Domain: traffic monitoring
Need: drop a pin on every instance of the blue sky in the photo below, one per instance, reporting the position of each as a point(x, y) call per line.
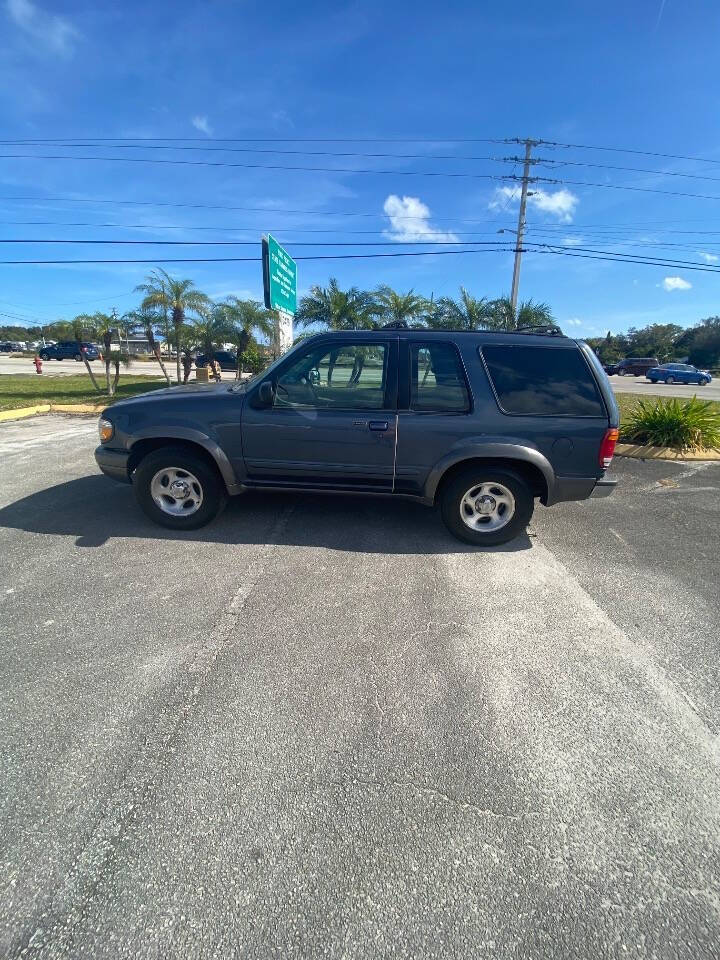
point(637, 75)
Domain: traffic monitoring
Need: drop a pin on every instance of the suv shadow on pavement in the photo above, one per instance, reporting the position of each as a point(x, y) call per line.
point(94, 511)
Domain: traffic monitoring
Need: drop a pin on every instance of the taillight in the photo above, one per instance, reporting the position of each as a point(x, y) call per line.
point(607, 447)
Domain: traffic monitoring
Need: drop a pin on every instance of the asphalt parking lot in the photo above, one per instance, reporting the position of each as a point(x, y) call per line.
point(322, 727)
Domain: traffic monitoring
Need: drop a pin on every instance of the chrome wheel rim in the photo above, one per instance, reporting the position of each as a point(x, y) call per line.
point(176, 492)
point(487, 507)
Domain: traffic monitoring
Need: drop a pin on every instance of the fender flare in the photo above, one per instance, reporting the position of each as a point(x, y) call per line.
point(172, 432)
point(491, 449)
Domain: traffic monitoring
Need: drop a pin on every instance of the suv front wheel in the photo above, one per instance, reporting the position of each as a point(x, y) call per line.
point(178, 489)
point(486, 506)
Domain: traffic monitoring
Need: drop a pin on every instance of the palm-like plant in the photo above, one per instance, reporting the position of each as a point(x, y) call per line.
point(337, 309)
point(529, 313)
point(148, 321)
point(464, 313)
point(167, 293)
point(105, 326)
point(399, 307)
point(83, 327)
point(245, 318)
point(209, 332)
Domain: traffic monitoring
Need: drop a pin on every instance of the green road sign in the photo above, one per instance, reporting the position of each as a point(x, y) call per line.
point(279, 277)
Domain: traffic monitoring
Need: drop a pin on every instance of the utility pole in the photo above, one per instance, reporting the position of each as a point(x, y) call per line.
point(521, 227)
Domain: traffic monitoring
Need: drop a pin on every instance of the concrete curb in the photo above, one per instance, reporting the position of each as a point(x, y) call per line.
point(79, 409)
point(21, 412)
point(663, 453)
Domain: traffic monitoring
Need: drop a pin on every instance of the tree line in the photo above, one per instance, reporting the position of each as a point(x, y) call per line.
point(173, 310)
point(699, 344)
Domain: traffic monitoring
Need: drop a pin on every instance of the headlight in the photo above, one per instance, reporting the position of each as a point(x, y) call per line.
point(105, 429)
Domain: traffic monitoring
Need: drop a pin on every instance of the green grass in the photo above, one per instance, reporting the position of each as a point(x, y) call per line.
point(21, 390)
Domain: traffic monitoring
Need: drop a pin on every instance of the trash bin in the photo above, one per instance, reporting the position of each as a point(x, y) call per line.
point(201, 375)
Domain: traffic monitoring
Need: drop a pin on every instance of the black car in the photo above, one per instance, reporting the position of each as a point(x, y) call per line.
point(632, 366)
point(70, 350)
point(225, 359)
point(481, 423)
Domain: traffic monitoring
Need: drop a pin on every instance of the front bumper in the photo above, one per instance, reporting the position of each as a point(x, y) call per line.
point(603, 488)
point(113, 463)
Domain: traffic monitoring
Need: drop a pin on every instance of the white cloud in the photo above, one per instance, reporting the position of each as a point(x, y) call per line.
point(202, 124)
point(710, 257)
point(410, 220)
point(281, 120)
point(574, 322)
point(560, 203)
point(50, 31)
point(572, 241)
point(675, 283)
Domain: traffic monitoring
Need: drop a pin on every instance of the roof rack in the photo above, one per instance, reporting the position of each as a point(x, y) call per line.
point(547, 329)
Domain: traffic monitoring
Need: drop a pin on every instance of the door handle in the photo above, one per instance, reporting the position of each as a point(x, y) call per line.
point(378, 425)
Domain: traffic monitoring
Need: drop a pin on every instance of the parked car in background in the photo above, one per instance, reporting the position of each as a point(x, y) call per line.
point(226, 360)
point(12, 346)
point(632, 366)
point(678, 373)
point(70, 350)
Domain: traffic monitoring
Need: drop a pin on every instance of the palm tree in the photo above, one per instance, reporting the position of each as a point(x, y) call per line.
point(399, 307)
point(105, 326)
point(245, 318)
point(337, 309)
point(82, 328)
point(147, 321)
point(209, 332)
point(177, 296)
point(529, 314)
point(465, 313)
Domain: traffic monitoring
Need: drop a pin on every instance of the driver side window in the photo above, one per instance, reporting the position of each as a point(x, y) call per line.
point(342, 377)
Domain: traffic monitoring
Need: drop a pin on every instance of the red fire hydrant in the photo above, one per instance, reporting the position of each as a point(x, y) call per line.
point(38, 364)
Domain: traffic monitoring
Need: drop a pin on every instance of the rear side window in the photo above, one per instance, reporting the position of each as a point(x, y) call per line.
point(542, 381)
point(437, 381)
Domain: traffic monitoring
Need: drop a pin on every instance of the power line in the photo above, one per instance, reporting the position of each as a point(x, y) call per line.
point(606, 166)
point(632, 258)
point(268, 211)
point(253, 243)
point(338, 256)
point(261, 150)
point(643, 153)
point(65, 140)
point(263, 166)
point(624, 186)
point(585, 252)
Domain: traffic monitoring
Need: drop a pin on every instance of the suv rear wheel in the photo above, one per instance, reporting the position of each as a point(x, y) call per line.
point(178, 489)
point(486, 506)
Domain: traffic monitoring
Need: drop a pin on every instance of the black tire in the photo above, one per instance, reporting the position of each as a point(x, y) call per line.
point(214, 495)
point(44, 356)
point(703, 383)
point(456, 488)
point(652, 380)
point(669, 379)
point(78, 358)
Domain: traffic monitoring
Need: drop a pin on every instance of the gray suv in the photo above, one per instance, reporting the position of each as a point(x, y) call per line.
point(480, 423)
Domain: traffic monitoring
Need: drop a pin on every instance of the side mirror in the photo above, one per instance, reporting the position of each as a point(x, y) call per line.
point(266, 394)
